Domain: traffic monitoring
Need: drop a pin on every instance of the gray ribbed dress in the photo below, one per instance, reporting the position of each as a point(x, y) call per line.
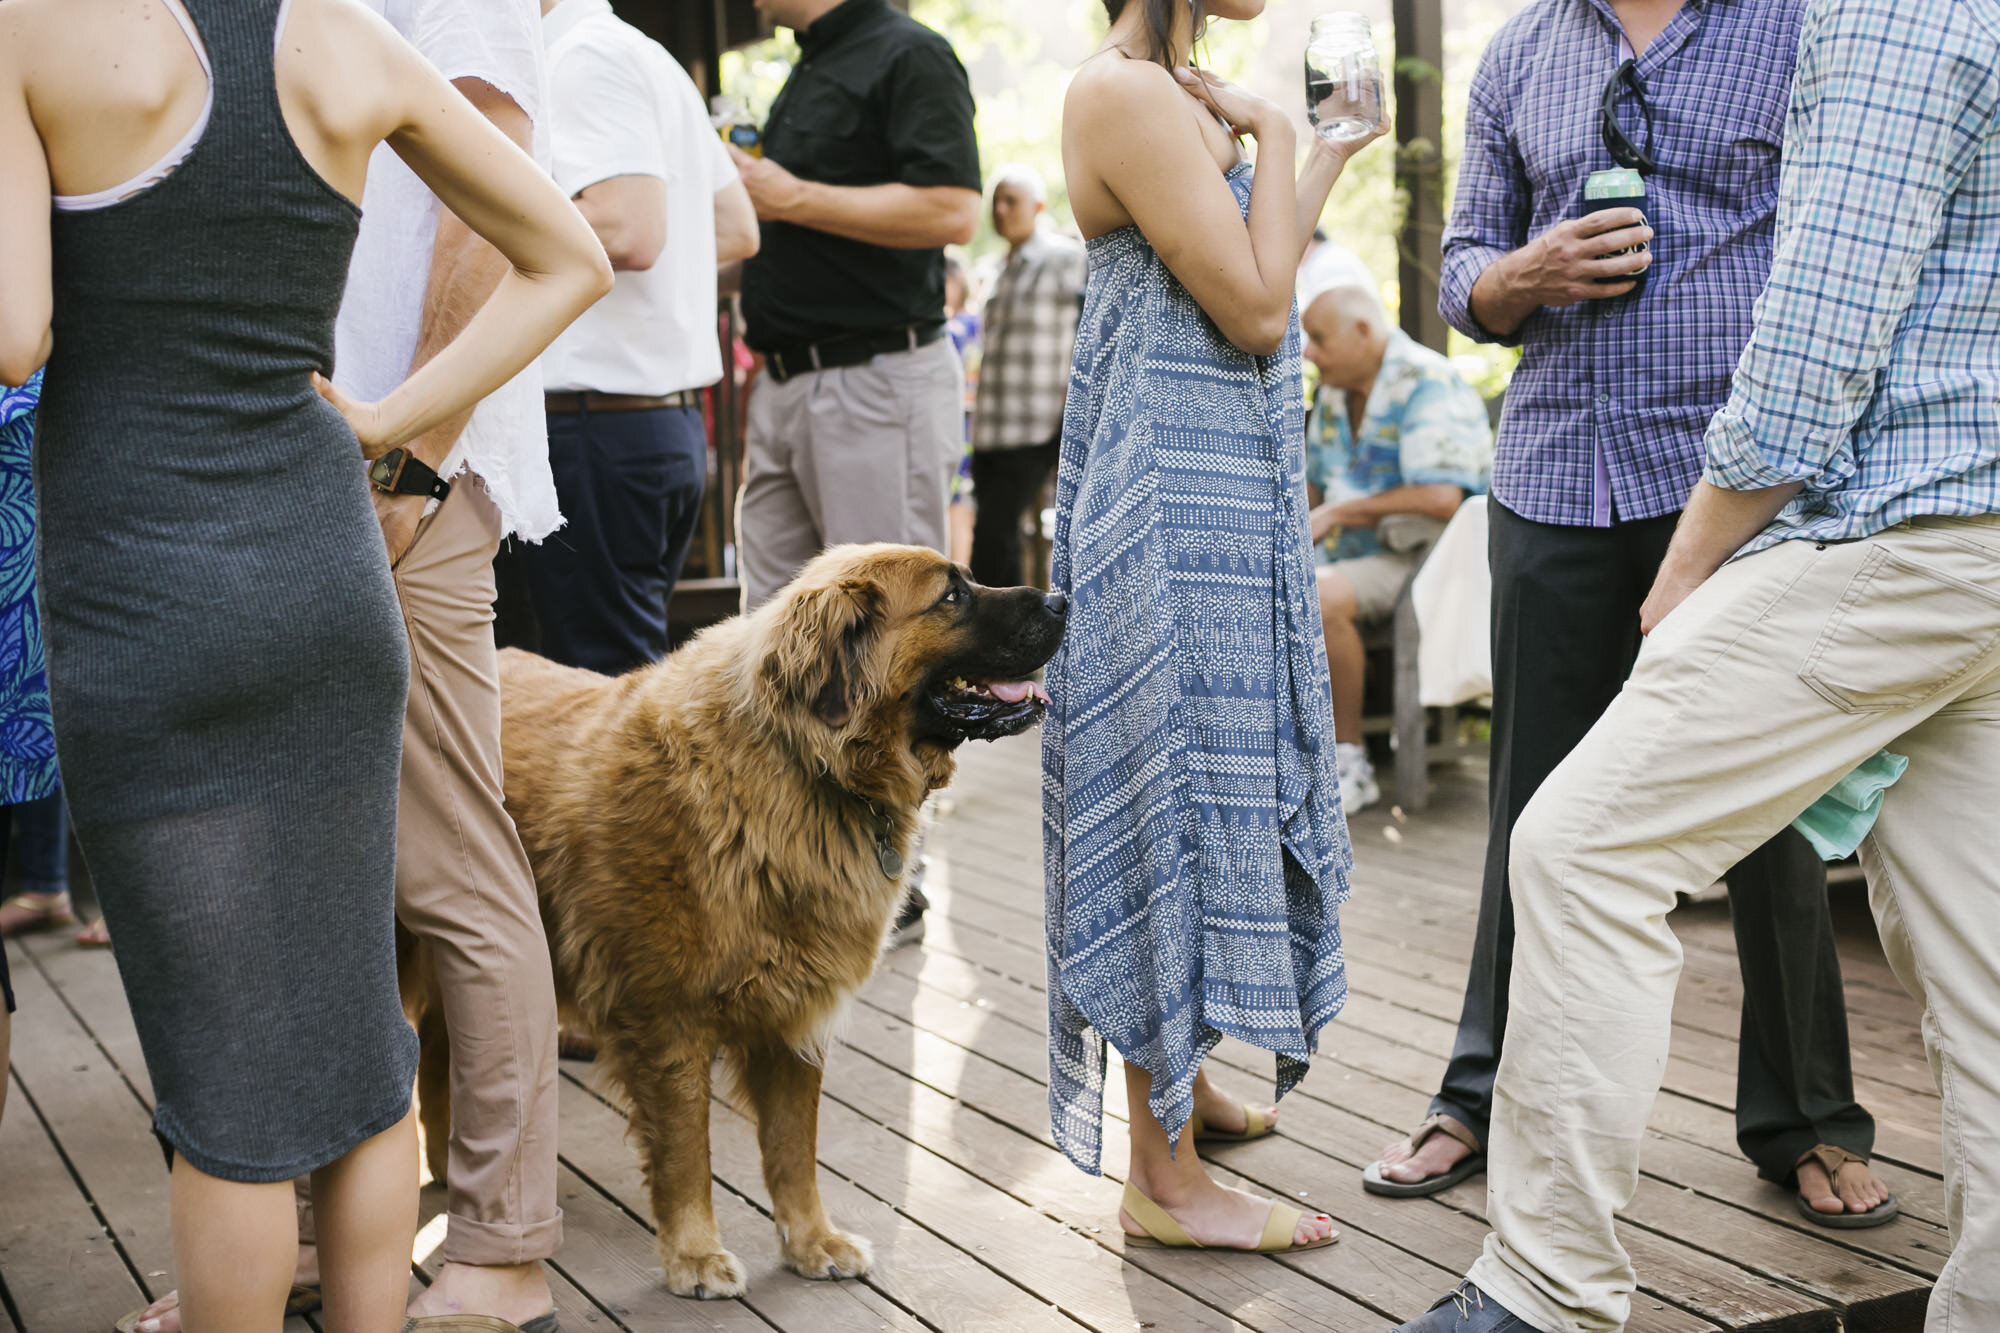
point(227, 662)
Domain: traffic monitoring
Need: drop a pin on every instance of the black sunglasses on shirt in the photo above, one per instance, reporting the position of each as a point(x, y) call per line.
point(1633, 156)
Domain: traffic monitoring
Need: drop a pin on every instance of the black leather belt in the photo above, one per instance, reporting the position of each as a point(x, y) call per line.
point(848, 350)
point(570, 402)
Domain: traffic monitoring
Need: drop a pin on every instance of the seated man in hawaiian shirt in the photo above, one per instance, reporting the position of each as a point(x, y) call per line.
point(1394, 443)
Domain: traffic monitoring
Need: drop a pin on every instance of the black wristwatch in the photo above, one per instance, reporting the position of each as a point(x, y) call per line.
point(399, 472)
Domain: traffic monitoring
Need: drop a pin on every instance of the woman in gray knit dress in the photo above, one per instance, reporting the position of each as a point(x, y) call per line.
point(226, 658)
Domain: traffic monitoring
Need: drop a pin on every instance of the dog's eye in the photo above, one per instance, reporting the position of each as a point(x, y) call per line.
point(953, 595)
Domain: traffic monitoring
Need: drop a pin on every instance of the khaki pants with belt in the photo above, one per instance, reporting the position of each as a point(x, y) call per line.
point(463, 885)
point(1775, 679)
point(858, 454)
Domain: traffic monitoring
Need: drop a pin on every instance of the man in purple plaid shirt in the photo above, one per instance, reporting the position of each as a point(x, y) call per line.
point(1598, 449)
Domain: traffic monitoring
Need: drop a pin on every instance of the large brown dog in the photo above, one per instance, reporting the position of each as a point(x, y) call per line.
point(718, 844)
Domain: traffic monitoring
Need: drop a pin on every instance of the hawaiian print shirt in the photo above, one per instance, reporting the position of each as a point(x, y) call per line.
point(1424, 426)
point(27, 736)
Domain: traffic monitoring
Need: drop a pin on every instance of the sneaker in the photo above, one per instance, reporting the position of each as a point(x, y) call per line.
point(1467, 1310)
point(1358, 788)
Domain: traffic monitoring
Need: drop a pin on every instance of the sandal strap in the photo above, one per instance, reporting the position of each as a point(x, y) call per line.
point(1279, 1227)
point(1831, 1157)
point(1446, 1125)
point(1156, 1222)
point(1253, 1121)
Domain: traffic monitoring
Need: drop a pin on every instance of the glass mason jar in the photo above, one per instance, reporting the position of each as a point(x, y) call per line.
point(1343, 78)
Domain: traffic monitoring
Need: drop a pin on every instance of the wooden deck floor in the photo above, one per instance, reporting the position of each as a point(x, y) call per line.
point(935, 1141)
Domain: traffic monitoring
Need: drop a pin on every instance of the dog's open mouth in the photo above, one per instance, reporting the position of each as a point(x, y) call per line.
point(989, 709)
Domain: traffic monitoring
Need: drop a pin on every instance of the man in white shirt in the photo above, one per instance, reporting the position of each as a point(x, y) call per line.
point(463, 884)
point(631, 142)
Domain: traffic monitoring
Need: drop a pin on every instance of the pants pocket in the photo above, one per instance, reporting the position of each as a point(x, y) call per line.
point(1908, 627)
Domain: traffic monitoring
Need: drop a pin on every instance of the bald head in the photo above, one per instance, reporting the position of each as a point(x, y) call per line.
point(1347, 330)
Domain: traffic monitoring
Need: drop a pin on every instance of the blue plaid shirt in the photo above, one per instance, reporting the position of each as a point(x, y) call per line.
point(1873, 373)
point(1606, 413)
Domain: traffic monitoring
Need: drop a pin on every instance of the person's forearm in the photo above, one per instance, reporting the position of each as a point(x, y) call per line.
point(1713, 527)
point(898, 217)
point(1717, 523)
point(464, 272)
point(519, 319)
point(1437, 500)
point(1316, 181)
point(1499, 301)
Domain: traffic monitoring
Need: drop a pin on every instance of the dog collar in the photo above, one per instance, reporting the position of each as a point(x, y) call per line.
point(886, 854)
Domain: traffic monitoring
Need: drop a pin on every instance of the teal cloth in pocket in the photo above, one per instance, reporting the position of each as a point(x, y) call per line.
point(1836, 823)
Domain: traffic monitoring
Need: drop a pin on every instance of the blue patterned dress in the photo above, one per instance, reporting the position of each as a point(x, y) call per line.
point(27, 738)
point(1195, 848)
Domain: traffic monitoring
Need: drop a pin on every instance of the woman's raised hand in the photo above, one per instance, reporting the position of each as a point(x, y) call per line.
point(1243, 112)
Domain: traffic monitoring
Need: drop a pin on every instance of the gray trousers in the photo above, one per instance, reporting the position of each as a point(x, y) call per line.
point(859, 454)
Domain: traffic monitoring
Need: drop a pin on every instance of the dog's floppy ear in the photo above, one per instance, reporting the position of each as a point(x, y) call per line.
point(822, 636)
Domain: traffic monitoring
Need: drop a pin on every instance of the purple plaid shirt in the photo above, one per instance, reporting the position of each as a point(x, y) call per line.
point(1606, 413)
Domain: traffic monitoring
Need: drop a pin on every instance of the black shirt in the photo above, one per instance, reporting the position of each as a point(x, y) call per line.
point(876, 98)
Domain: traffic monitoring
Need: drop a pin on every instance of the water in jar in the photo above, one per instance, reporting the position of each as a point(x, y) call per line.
point(1343, 78)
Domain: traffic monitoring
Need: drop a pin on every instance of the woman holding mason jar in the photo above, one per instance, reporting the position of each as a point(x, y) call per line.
point(1196, 851)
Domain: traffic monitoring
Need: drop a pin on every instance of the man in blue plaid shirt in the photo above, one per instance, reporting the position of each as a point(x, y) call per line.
point(1598, 449)
point(1854, 474)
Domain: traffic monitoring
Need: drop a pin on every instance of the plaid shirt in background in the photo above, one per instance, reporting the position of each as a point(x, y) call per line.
point(1030, 333)
point(1874, 369)
point(1606, 413)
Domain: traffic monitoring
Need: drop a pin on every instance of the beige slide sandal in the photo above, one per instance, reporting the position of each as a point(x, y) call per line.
point(1163, 1233)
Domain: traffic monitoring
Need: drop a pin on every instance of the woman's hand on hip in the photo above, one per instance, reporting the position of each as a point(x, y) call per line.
point(365, 419)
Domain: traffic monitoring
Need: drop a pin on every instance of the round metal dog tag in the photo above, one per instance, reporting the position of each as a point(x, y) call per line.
point(892, 860)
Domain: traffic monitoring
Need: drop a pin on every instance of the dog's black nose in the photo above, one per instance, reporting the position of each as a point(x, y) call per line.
point(1057, 604)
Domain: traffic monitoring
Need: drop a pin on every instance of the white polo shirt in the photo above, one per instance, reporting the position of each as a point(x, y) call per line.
point(621, 106)
point(375, 337)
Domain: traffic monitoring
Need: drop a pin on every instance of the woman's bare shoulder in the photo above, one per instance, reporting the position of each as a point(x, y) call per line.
point(349, 68)
point(1109, 84)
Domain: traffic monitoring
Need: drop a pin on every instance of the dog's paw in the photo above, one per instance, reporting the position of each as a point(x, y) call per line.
point(828, 1256)
point(717, 1276)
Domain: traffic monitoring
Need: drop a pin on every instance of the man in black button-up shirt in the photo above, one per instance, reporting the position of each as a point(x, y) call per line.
point(870, 169)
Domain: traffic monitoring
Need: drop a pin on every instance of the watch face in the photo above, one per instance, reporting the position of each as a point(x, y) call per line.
point(383, 470)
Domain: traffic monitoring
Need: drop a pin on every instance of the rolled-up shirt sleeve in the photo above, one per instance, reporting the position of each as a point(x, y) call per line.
point(1490, 216)
point(1882, 129)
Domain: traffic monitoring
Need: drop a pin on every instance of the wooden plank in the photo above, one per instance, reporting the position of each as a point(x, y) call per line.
point(610, 1256)
point(1866, 1290)
point(63, 1273)
point(104, 1130)
point(88, 980)
point(1906, 1121)
point(1737, 1294)
point(1348, 1067)
point(1383, 1260)
point(916, 1269)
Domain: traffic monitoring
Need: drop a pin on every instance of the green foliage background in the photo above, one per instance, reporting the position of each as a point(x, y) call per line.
point(1022, 122)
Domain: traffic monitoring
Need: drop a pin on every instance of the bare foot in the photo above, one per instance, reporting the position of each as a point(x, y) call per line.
point(516, 1293)
point(1859, 1191)
point(164, 1315)
point(1219, 1217)
point(1218, 1110)
point(1440, 1153)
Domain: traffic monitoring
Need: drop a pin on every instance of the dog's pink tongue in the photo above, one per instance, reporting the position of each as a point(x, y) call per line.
point(1009, 691)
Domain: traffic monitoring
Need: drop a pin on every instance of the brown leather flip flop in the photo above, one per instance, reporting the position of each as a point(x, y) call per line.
point(1832, 1159)
point(1471, 1165)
